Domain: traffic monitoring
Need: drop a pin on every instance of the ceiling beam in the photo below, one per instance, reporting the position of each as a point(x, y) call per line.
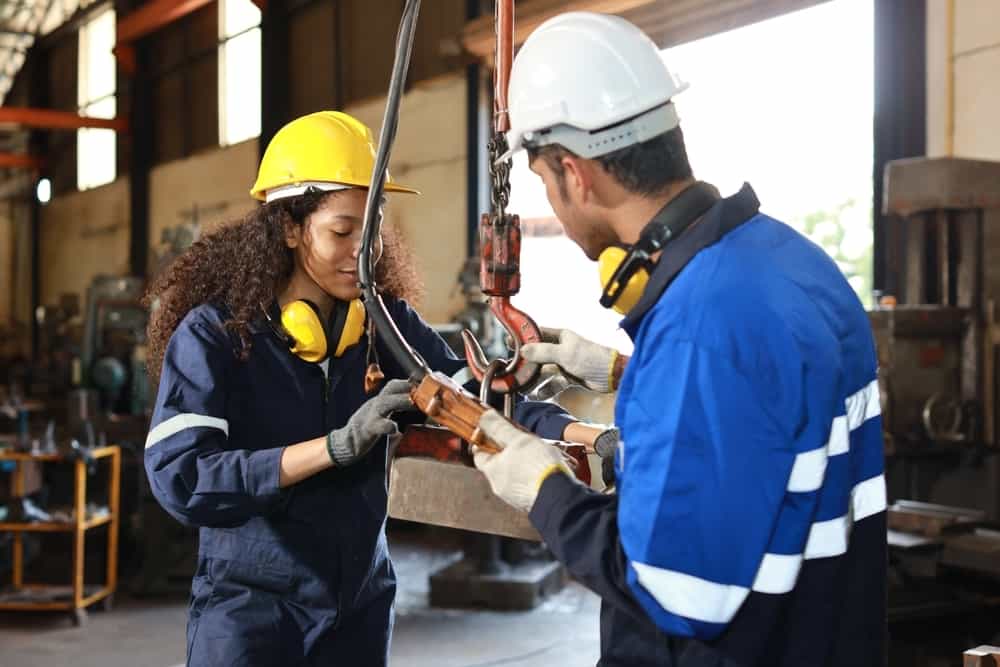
point(479, 39)
point(146, 20)
point(152, 16)
point(21, 161)
point(50, 119)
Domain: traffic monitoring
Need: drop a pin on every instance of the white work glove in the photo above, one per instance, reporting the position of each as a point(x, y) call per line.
point(350, 443)
point(516, 473)
point(590, 363)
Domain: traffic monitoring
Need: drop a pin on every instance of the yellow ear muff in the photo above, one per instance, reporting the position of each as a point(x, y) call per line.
point(311, 341)
point(353, 328)
point(607, 264)
point(301, 320)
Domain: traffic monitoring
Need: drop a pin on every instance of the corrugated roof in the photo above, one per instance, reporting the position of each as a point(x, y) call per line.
point(21, 22)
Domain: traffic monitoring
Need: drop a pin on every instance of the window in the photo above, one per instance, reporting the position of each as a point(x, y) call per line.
point(780, 104)
point(239, 71)
point(95, 148)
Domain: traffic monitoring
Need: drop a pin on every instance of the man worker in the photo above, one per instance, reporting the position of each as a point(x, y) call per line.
point(748, 527)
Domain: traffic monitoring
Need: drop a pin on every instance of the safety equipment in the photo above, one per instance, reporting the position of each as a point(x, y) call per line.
point(302, 328)
point(625, 269)
point(516, 473)
point(592, 83)
point(326, 150)
point(590, 363)
point(348, 444)
point(610, 261)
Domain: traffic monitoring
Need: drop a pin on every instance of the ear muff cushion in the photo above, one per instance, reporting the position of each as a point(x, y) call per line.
point(347, 325)
point(607, 264)
point(301, 319)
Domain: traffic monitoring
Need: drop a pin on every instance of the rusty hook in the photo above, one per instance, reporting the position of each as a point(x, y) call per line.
point(518, 374)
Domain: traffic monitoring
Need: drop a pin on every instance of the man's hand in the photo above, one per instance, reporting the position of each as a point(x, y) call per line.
point(350, 443)
point(592, 364)
point(517, 472)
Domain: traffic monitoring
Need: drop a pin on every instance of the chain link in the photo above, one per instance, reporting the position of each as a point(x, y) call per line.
point(499, 175)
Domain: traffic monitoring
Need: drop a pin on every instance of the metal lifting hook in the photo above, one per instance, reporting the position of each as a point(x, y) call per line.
point(500, 236)
point(517, 374)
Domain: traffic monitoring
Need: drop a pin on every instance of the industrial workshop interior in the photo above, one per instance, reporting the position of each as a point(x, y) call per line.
point(499, 332)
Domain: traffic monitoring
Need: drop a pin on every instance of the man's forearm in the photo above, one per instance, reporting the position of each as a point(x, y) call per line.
point(580, 526)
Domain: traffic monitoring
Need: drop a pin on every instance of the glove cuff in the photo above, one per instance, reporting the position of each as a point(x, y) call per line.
point(607, 442)
point(338, 454)
point(551, 470)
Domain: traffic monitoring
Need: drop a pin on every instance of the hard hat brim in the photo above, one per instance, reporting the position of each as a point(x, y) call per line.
point(261, 195)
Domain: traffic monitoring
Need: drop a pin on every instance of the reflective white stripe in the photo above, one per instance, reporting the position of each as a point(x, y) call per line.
point(863, 405)
point(710, 602)
point(868, 498)
point(462, 375)
point(689, 596)
point(827, 538)
point(840, 437)
point(178, 423)
point(703, 600)
point(777, 573)
point(808, 470)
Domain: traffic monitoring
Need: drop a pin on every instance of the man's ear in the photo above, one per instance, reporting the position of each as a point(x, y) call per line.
point(579, 177)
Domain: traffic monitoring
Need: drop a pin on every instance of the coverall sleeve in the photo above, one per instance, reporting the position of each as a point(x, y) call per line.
point(546, 420)
point(580, 527)
point(705, 463)
point(194, 471)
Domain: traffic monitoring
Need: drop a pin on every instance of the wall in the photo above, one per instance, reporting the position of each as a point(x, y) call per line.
point(83, 234)
point(209, 187)
point(963, 88)
point(86, 233)
point(430, 155)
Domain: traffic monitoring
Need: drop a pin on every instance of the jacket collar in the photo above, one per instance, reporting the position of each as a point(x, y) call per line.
point(726, 215)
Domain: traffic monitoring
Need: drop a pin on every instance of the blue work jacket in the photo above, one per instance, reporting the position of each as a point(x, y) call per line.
point(749, 524)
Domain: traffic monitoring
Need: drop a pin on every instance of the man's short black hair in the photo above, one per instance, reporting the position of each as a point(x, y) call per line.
point(645, 169)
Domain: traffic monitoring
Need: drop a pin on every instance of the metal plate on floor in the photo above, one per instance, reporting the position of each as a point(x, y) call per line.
point(452, 495)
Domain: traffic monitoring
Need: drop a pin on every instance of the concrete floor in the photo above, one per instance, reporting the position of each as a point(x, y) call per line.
point(144, 633)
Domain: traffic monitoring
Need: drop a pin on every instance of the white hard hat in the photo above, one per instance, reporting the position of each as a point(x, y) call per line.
point(590, 82)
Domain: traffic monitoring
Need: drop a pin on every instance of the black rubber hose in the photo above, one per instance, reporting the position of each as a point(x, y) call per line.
point(406, 356)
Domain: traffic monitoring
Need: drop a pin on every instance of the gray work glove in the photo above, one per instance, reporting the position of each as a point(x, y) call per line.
point(605, 446)
point(589, 362)
point(350, 443)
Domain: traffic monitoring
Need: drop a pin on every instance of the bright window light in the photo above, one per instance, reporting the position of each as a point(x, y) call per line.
point(239, 71)
point(798, 129)
point(43, 191)
point(95, 155)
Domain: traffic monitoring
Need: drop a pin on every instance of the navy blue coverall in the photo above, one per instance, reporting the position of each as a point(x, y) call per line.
point(291, 576)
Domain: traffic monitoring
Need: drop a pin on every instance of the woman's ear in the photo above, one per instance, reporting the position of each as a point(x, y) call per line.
point(293, 234)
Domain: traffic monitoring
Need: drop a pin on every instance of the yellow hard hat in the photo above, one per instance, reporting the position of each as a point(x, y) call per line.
point(329, 150)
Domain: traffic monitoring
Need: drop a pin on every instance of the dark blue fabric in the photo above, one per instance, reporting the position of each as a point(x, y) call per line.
point(283, 573)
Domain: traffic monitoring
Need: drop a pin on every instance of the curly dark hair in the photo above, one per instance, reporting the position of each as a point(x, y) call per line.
point(245, 264)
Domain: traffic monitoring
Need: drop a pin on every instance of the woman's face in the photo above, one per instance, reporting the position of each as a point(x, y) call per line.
point(326, 245)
